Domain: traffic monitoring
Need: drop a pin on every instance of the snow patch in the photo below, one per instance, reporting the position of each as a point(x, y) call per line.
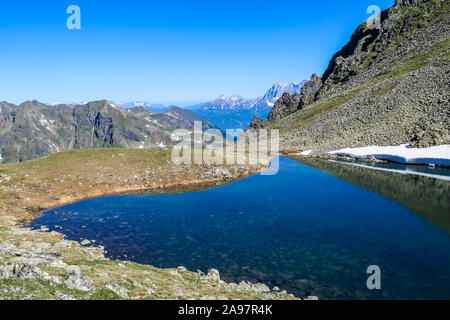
point(406, 172)
point(438, 155)
point(306, 153)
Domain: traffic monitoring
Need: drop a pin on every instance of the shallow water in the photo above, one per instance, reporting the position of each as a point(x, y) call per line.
point(302, 230)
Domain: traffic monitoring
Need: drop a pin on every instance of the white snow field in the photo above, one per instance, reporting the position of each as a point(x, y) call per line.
point(437, 156)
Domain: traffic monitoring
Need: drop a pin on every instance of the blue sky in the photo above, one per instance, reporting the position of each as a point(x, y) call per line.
point(172, 52)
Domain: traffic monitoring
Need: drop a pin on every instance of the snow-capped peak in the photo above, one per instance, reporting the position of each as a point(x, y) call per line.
point(277, 90)
point(237, 102)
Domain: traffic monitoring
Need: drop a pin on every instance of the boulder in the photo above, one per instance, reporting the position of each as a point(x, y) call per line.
point(74, 279)
point(214, 275)
point(117, 289)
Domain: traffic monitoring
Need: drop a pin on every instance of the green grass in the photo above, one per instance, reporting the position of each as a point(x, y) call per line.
point(105, 294)
point(446, 56)
point(36, 289)
point(385, 89)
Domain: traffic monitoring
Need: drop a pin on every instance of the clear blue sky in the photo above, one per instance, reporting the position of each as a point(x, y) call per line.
point(168, 51)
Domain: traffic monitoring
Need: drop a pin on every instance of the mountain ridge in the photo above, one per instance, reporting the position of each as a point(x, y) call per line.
point(33, 129)
point(237, 112)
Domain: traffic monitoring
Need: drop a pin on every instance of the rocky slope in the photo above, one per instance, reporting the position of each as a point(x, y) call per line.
point(33, 129)
point(387, 86)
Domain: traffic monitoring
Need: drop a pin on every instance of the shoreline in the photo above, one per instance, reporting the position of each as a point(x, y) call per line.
point(165, 189)
point(436, 156)
point(37, 264)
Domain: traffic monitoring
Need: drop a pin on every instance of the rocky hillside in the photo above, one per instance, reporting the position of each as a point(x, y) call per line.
point(387, 86)
point(33, 129)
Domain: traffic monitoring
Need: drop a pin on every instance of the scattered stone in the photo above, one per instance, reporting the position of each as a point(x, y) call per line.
point(214, 275)
point(5, 272)
point(177, 293)
point(102, 274)
point(175, 274)
point(260, 287)
point(150, 291)
point(220, 172)
point(119, 290)
point(51, 278)
point(74, 279)
point(23, 271)
point(26, 245)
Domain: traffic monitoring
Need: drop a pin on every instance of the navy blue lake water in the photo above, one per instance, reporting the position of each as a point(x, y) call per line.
point(302, 230)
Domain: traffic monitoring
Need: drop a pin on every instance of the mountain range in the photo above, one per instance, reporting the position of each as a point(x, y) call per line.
point(34, 129)
point(150, 106)
point(236, 112)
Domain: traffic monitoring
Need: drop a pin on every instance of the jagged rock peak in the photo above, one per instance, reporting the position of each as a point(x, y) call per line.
point(309, 90)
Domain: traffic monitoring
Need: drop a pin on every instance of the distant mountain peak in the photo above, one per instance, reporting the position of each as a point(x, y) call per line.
point(277, 90)
point(237, 112)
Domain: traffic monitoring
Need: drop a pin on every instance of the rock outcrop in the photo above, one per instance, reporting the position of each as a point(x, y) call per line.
point(286, 105)
point(309, 91)
point(289, 104)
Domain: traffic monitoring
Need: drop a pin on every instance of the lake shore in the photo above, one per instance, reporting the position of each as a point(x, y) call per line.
point(37, 264)
point(436, 156)
point(67, 177)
